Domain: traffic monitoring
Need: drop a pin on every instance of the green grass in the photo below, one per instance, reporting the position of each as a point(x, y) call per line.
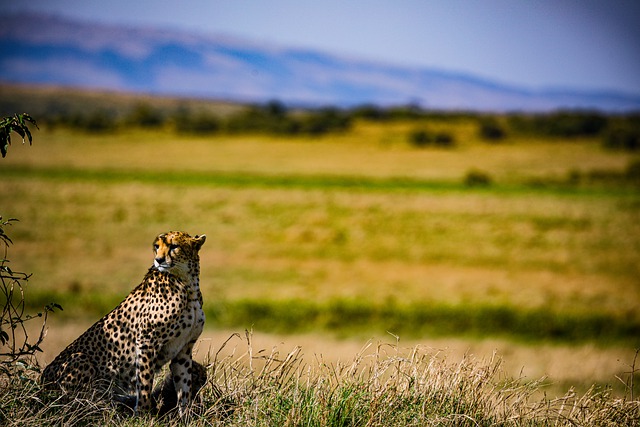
point(231, 179)
point(306, 181)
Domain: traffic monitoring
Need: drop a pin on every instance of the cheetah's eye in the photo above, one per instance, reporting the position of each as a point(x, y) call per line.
point(172, 248)
point(156, 247)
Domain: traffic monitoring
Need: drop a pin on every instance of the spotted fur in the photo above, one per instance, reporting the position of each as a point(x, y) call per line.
point(158, 323)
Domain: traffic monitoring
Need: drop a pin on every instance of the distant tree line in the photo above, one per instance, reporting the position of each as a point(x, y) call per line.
point(274, 118)
point(271, 118)
point(616, 131)
point(564, 124)
point(621, 131)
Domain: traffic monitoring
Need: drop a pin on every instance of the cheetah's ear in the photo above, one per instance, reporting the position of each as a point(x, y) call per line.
point(198, 241)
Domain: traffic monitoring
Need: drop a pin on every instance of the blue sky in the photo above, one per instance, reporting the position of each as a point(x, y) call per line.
point(581, 44)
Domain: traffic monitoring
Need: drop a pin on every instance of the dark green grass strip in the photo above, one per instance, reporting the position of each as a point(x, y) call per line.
point(293, 181)
point(351, 317)
point(419, 320)
point(217, 178)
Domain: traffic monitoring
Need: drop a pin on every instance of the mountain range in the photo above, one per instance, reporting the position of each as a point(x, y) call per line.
point(47, 49)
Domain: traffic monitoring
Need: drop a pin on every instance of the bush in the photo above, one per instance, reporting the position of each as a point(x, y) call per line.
point(563, 124)
point(274, 118)
point(476, 178)
point(443, 139)
point(324, 121)
point(632, 172)
point(570, 124)
point(14, 338)
point(196, 123)
point(406, 112)
point(144, 115)
point(270, 118)
point(421, 138)
point(491, 130)
point(370, 112)
point(98, 121)
point(623, 135)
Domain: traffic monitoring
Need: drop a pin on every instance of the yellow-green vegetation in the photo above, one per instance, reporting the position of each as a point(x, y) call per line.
point(349, 232)
point(353, 233)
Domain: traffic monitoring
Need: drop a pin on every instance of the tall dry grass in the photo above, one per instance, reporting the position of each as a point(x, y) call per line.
point(382, 385)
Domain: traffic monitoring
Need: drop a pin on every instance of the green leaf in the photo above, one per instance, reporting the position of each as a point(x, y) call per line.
point(18, 124)
point(30, 119)
point(20, 131)
point(26, 130)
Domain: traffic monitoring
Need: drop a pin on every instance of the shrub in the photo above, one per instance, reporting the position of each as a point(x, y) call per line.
point(98, 121)
point(274, 118)
point(632, 172)
point(623, 135)
point(144, 115)
point(14, 338)
point(491, 130)
point(370, 112)
point(564, 124)
point(324, 121)
point(443, 139)
point(476, 178)
point(422, 138)
point(197, 123)
point(569, 124)
point(419, 138)
point(270, 118)
point(406, 112)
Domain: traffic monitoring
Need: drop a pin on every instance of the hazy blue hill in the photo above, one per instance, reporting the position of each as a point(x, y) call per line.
point(53, 50)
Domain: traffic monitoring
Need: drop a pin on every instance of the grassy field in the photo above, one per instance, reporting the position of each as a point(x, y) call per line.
point(381, 384)
point(350, 235)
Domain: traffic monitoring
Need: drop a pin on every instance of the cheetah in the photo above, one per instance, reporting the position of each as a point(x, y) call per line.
point(158, 322)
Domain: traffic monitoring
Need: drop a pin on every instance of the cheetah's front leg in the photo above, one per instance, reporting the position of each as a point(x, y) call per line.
point(181, 373)
point(144, 378)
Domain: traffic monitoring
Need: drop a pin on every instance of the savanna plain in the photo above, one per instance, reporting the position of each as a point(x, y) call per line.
point(353, 254)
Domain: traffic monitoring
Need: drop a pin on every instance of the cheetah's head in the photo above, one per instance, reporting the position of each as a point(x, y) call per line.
point(174, 250)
